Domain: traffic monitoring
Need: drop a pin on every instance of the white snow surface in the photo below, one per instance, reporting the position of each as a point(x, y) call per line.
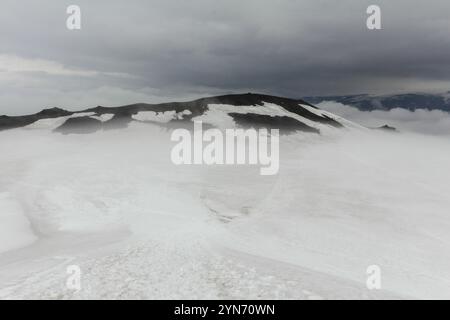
point(140, 227)
point(53, 123)
point(15, 229)
point(163, 117)
point(104, 117)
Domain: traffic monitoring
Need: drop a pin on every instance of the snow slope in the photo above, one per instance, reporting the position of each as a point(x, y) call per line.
point(53, 123)
point(15, 229)
point(219, 115)
point(140, 227)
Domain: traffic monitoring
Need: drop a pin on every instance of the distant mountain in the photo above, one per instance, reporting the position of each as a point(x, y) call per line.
point(386, 128)
point(242, 110)
point(411, 101)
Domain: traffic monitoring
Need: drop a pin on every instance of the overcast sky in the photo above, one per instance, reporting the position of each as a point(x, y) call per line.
point(153, 51)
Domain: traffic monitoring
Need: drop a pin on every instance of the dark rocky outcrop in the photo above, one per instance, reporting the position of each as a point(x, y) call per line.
point(386, 128)
point(285, 124)
point(80, 125)
point(21, 121)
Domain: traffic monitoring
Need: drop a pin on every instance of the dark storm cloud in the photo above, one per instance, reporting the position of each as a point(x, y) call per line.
point(159, 50)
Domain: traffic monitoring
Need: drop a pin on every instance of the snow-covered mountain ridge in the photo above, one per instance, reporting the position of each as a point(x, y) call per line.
point(245, 110)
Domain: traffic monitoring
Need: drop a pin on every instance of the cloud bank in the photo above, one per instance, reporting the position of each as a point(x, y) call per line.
point(432, 122)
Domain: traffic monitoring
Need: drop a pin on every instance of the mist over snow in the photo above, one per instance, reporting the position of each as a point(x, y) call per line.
point(141, 227)
point(432, 122)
